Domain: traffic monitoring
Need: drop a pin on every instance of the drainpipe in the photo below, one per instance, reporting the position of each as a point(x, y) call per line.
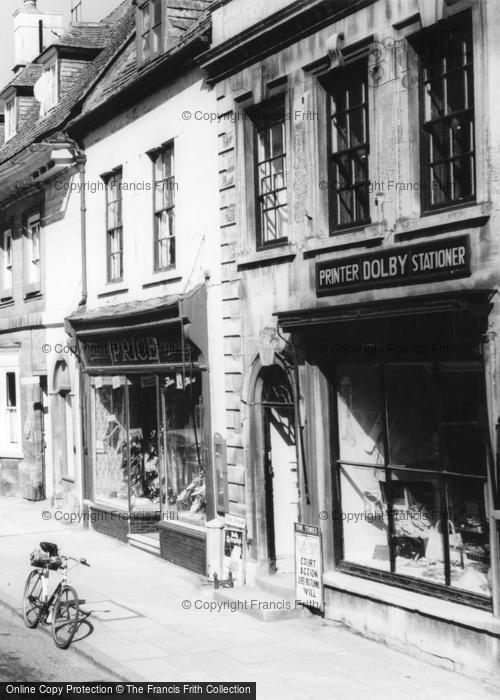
point(81, 161)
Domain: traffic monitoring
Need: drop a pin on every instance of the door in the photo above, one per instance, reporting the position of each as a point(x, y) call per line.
point(280, 471)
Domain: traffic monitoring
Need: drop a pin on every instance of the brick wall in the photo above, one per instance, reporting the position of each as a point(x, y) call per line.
point(109, 522)
point(184, 547)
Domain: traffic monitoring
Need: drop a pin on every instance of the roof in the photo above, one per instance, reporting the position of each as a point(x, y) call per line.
point(26, 77)
point(34, 128)
point(187, 19)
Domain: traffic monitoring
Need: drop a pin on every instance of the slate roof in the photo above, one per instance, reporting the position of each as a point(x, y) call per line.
point(187, 19)
point(34, 128)
point(26, 77)
point(116, 31)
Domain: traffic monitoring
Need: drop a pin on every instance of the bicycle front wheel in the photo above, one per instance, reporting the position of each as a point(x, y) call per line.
point(32, 599)
point(65, 617)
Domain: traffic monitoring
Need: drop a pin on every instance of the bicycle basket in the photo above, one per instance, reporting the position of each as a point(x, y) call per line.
point(38, 557)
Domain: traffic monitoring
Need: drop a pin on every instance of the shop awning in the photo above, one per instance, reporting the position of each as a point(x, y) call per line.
point(159, 331)
point(475, 302)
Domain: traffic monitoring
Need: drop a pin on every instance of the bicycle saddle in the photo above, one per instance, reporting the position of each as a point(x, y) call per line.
point(50, 548)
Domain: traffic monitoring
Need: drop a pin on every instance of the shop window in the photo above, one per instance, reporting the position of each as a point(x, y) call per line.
point(114, 226)
point(182, 443)
point(412, 472)
point(6, 271)
point(150, 28)
point(164, 208)
point(349, 146)
point(110, 441)
point(447, 126)
point(271, 177)
point(148, 444)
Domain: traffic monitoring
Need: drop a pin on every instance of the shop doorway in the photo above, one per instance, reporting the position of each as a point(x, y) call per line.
point(280, 468)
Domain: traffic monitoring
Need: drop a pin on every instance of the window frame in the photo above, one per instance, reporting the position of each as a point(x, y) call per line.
point(335, 81)
point(260, 122)
point(108, 178)
point(170, 210)
point(52, 73)
point(32, 282)
point(141, 7)
point(444, 477)
point(9, 364)
point(7, 266)
point(11, 118)
point(461, 24)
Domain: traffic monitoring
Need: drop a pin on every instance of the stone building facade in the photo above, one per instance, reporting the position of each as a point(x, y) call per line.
point(358, 158)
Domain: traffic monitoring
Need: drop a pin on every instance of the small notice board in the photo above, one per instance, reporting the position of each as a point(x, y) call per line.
point(308, 566)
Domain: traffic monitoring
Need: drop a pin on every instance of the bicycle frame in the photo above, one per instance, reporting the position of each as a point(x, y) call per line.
point(47, 602)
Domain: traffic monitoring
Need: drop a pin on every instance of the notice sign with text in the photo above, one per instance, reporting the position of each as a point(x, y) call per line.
point(308, 566)
point(440, 260)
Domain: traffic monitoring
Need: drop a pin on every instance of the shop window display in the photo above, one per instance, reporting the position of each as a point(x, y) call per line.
point(110, 432)
point(415, 514)
point(183, 450)
point(148, 443)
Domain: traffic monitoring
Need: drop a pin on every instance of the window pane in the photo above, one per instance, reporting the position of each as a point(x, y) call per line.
point(412, 406)
point(456, 91)
point(434, 107)
point(156, 12)
point(360, 414)
point(469, 537)
point(184, 451)
point(418, 538)
point(277, 139)
point(463, 177)
point(110, 440)
point(145, 18)
point(11, 389)
point(364, 517)
point(143, 466)
point(264, 143)
point(357, 126)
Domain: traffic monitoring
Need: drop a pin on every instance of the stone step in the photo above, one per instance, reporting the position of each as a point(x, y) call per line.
point(148, 543)
point(282, 585)
point(260, 604)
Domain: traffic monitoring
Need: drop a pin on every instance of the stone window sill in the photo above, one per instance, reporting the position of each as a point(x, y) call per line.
point(438, 608)
point(268, 256)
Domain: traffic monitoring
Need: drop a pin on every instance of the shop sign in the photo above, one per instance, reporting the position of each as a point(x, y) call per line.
point(308, 566)
point(408, 265)
point(134, 350)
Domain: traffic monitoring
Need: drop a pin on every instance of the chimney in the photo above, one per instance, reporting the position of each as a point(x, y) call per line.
point(34, 31)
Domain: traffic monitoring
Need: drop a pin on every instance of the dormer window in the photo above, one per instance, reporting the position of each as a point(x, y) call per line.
point(10, 118)
point(52, 86)
point(150, 28)
point(47, 88)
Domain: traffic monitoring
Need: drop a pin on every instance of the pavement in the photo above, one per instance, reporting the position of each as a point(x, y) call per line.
point(151, 621)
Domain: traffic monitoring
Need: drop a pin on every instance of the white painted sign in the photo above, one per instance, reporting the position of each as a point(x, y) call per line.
point(308, 566)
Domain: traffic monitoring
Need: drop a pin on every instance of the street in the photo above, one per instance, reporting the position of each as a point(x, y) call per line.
point(30, 655)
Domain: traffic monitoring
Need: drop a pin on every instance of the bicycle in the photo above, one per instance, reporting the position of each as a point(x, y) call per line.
point(62, 609)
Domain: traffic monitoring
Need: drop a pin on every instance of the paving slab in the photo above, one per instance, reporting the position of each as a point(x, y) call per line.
point(151, 623)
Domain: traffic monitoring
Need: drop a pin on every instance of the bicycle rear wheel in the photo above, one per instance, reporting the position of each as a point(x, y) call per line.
point(65, 617)
point(32, 599)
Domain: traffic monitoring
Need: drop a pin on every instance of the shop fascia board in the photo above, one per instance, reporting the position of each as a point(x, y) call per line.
point(476, 301)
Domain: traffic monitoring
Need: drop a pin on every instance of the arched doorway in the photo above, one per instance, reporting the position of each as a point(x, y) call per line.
point(275, 465)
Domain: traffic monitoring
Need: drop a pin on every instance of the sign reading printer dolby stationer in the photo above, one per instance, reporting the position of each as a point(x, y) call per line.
point(439, 260)
point(308, 566)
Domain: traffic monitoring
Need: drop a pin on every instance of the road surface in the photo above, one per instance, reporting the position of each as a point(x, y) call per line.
point(31, 655)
